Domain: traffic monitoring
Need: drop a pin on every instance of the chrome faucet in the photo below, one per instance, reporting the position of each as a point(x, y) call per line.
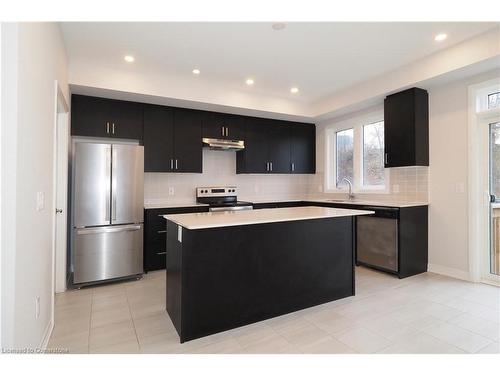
point(350, 195)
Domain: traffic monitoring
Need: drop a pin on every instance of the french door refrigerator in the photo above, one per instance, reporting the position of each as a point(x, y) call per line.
point(108, 197)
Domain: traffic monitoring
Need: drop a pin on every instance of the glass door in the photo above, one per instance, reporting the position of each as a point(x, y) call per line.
point(494, 187)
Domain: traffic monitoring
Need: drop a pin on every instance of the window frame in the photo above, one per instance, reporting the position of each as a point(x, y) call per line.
point(356, 123)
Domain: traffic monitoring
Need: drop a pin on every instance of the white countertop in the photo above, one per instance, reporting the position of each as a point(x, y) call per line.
point(148, 206)
point(203, 220)
point(370, 203)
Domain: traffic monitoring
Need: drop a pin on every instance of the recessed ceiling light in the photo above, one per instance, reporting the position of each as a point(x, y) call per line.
point(294, 90)
point(249, 82)
point(278, 26)
point(440, 37)
point(129, 58)
point(196, 71)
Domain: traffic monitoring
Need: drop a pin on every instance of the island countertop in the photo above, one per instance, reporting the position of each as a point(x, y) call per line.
point(204, 220)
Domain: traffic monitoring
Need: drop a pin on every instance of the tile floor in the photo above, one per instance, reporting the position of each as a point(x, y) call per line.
point(426, 313)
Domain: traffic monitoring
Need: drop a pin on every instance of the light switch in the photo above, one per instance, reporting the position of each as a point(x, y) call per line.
point(40, 201)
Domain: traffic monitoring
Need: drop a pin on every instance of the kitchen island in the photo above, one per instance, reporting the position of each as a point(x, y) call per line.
point(228, 269)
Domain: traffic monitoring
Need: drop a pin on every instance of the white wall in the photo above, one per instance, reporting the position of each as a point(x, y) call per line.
point(448, 211)
point(37, 56)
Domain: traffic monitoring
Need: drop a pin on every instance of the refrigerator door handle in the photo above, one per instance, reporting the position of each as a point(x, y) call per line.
point(108, 185)
point(124, 228)
point(113, 185)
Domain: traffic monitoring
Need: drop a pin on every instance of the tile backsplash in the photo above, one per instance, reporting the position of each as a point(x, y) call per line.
point(219, 168)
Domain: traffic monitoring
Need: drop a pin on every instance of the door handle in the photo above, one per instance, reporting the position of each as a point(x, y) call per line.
point(113, 128)
point(127, 228)
point(107, 127)
point(113, 184)
point(59, 210)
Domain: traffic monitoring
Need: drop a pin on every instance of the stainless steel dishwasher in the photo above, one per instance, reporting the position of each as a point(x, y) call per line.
point(377, 238)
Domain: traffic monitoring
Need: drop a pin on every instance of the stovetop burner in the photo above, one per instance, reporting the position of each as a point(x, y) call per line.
point(221, 198)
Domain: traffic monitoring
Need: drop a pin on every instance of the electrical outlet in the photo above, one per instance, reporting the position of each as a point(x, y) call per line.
point(37, 307)
point(395, 188)
point(171, 190)
point(40, 201)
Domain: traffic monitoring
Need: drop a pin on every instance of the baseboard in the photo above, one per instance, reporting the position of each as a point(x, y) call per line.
point(448, 271)
point(46, 335)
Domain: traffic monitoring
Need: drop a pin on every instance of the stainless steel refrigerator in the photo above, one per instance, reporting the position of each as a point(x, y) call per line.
point(108, 201)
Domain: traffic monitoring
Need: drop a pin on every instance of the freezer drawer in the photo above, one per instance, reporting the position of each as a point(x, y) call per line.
point(109, 252)
point(377, 242)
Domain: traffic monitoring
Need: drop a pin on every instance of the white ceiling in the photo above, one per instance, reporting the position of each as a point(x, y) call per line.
point(319, 58)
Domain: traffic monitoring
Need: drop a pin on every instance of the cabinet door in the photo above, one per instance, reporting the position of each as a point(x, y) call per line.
point(126, 119)
point(187, 141)
point(255, 157)
point(158, 138)
point(223, 126)
point(90, 116)
point(278, 133)
point(213, 125)
point(235, 127)
point(303, 148)
point(399, 129)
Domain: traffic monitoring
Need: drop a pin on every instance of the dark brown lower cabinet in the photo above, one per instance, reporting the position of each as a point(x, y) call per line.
point(155, 238)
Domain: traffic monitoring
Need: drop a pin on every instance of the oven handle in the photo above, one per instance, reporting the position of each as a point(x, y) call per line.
point(234, 208)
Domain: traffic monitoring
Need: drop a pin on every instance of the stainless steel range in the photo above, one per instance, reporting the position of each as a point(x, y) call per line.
point(224, 198)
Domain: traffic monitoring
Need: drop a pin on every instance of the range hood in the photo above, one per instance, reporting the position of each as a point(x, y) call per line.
point(223, 144)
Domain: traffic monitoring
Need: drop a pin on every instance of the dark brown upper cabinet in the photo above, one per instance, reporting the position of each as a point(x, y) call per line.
point(406, 128)
point(99, 117)
point(273, 146)
point(223, 126)
point(302, 148)
point(172, 140)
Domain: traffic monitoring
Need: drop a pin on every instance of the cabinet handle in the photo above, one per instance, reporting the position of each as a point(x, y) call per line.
point(176, 164)
point(227, 131)
point(222, 130)
point(161, 253)
point(385, 158)
point(271, 163)
point(267, 166)
point(107, 127)
point(161, 231)
point(113, 128)
point(293, 167)
point(171, 164)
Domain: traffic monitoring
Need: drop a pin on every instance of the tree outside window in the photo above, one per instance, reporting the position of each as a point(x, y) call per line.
point(344, 156)
point(373, 154)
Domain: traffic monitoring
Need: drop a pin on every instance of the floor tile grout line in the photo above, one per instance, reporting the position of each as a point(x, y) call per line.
point(133, 321)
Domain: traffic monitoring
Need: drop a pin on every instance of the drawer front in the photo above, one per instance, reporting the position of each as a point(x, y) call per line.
point(155, 238)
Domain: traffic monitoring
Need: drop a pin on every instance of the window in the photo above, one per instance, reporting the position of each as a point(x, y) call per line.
point(494, 100)
point(373, 154)
point(355, 151)
point(344, 155)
